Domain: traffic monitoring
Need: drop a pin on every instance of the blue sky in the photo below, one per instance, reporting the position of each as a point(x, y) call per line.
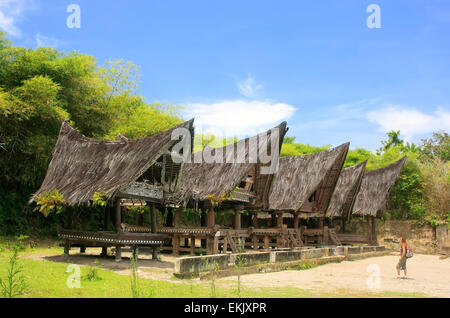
point(242, 66)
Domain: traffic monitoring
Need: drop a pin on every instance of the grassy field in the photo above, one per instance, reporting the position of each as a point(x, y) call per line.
point(47, 279)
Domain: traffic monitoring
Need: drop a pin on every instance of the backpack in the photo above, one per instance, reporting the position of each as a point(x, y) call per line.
point(409, 252)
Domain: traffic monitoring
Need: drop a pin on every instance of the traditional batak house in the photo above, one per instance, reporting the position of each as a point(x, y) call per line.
point(374, 195)
point(345, 193)
point(302, 188)
point(123, 171)
point(234, 177)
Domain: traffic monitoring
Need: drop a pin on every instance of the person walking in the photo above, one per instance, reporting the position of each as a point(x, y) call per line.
point(402, 261)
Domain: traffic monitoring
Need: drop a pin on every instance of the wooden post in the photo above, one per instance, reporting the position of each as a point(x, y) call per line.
point(211, 217)
point(255, 220)
point(177, 220)
point(153, 228)
point(175, 244)
point(255, 242)
point(225, 245)
point(118, 219)
point(118, 253)
point(296, 220)
point(369, 230)
point(209, 245)
point(192, 251)
point(325, 235)
point(374, 232)
point(237, 219)
point(266, 242)
point(105, 227)
point(279, 219)
point(69, 226)
point(66, 248)
point(215, 244)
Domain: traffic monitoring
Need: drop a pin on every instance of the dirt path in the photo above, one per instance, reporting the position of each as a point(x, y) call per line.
point(427, 274)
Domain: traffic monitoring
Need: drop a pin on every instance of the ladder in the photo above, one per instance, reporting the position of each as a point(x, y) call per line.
point(295, 239)
point(333, 237)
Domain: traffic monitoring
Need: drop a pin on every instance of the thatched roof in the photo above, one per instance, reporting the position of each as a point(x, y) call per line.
point(376, 186)
point(347, 188)
point(299, 177)
point(202, 180)
point(81, 166)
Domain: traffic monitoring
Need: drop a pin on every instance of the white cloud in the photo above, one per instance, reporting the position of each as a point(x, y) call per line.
point(11, 12)
point(44, 41)
point(409, 121)
point(249, 87)
point(238, 118)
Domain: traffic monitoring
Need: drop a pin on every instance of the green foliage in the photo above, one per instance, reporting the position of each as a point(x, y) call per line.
point(290, 148)
point(93, 271)
point(14, 284)
point(136, 290)
point(39, 88)
point(100, 199)
point(436, 147)
point(50, 201)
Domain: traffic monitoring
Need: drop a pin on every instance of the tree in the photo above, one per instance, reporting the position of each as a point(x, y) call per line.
point(436, 147)
point(393, 140)
point(39, 88)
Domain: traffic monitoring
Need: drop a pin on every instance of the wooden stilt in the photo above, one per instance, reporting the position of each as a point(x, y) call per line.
point(255, 220)
point(237, 219)
point(153, 228)
point(192, 250)
point(175, 244)
point(325, 235)
point(374, 232)
point(215, 245)
point(211, 217)
point(118, 215)
point(266, 242)
point(280, 219)
point(225, 245)
point(209, 245)
point(118, 253)
point(177, 220)
point(106, 221)
point(369, 230)
point(118, 219)
point(296, 220)
point(66, 248)
point(255, 242)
